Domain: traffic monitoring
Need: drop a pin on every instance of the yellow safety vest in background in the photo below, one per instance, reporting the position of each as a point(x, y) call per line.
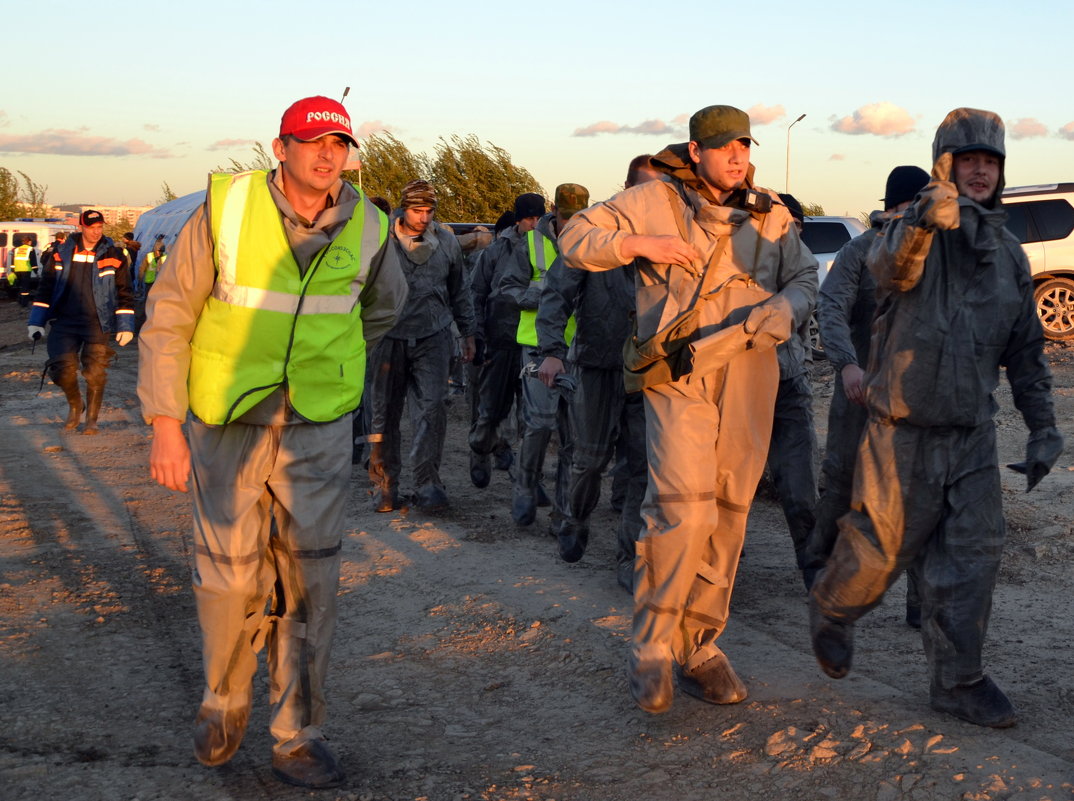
point(20, 259)
point(541, 259)
point(151, 264)
point(266, 325)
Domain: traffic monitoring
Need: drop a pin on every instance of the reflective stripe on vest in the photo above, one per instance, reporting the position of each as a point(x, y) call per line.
point(20, 259)
point(266, 325)
point(541, 259)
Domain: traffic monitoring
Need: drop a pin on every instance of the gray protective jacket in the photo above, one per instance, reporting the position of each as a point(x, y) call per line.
point(602, 305)
point(953, 307)
point(436, 277)
point(847, 301)
point(496, 314)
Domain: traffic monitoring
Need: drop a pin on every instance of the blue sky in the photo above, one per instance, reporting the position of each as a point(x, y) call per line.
point(129, 96)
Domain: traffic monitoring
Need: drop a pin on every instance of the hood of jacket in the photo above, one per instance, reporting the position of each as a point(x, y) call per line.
point(966, 129)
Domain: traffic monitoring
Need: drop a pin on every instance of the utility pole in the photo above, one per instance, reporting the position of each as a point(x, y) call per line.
point(787, 178)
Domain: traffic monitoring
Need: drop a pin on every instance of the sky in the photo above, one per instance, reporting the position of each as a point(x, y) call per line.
point(105, 106)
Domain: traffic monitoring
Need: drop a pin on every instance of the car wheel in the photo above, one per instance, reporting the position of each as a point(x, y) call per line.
point(1054, 299)
point(814, 339)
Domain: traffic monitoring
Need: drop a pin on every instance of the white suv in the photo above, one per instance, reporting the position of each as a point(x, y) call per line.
point(1042, 217)
point(824, 236)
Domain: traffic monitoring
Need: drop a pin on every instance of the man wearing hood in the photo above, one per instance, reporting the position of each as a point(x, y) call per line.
point(414, 358)
point(955, 302)
point(720, 268)
point(845, 308)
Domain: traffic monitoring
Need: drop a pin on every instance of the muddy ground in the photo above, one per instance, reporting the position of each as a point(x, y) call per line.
point(470, 662)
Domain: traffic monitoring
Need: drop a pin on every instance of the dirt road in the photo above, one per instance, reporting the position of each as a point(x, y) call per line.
point(470, 662)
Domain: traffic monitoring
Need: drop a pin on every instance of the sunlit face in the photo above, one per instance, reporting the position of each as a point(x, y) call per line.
point(91, 235)
point(977, 175)
point(415, 220)
point(311, 167)
point(722, 168)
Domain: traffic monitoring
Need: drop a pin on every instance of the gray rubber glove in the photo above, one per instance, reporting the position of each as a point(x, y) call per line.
point(1042, 451)
point(35, 332)
point(770, 323)
point(937, 204)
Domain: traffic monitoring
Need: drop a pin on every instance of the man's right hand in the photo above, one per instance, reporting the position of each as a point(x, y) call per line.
point(853, 376)
point(169, 455)
point(937, 203)
point(661, 250)
point(549, 369)
point(35, 332)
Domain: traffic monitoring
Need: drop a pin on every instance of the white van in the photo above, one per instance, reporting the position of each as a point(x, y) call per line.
point(41, 233)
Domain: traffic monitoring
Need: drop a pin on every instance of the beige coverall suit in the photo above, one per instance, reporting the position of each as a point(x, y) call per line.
point(707, 435)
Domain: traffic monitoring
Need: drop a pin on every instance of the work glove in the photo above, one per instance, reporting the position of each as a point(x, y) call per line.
point(124, 338)
point(35, 332)
point(1042, 450)
point(937, 204)
point(770, 323)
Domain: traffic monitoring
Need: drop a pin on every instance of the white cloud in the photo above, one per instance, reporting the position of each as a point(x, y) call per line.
point(231, 144)
point(1028, 128)
point(372, 127)
point(61, 142)
point(878, 119)
point(151, 126)
point(1067, 131)
point(836, 157)
point(763, 115)
point(676, 128)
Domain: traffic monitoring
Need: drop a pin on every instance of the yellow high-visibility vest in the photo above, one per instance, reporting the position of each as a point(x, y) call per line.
point(20, 259)
point(541, 257)
point(266, 325)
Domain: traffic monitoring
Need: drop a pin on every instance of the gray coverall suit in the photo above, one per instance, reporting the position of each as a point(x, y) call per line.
point(415, 358)
point(954, 306)
point(601, 412)
point(707, 435)
point(496, 319)
point(544, 409)
point(269, 488)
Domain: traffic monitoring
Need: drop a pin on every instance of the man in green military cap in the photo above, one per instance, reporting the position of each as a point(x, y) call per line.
point(544, 407)
point(721, 264)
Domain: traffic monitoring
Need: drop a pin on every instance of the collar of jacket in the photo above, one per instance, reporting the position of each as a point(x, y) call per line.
point(674, 161)
point(418, 251)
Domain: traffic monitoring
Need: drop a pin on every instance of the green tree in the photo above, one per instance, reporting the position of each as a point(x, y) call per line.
point(475, 182)
point(262, 160)
point(387, 166)
point(167, 195)
point(33, 197)
point(10, 208)
point(812, 210)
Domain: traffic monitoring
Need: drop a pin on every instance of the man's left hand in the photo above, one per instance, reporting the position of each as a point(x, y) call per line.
point(549, 369)
point(1042, 450)
point(468, 349)
point(124, 338)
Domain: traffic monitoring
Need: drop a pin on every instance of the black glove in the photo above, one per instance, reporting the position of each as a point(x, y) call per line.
point(1042, 450)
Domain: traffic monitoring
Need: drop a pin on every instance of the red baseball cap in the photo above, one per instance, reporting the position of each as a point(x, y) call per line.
point(314, 117)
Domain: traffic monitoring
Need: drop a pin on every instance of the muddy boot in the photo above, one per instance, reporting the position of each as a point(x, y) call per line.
point(981, 702)
point(94, 396)
point(64, 374)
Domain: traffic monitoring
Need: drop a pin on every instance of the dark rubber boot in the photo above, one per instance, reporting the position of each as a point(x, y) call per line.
point(94, 396)
point(67, 380)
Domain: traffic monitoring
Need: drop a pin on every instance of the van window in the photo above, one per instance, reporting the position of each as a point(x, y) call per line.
point(824, 237)
point(3, 239)
point(22, 238)
point(1054, 219)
